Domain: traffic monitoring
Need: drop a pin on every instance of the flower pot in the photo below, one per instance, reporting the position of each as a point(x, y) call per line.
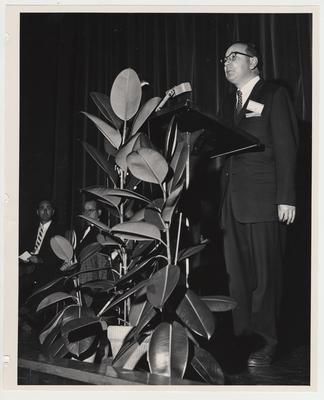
point(88, 360)
point(116, 335)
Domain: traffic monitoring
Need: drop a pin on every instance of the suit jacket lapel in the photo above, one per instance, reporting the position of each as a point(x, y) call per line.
point(253, 95)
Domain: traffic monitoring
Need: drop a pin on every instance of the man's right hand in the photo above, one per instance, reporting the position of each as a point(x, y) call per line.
point(35, 259)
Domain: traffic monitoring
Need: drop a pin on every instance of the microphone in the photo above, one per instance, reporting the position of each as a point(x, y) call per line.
point(175, 91)
point(144, 83)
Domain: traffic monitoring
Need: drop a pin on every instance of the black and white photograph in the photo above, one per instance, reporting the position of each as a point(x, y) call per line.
point(164, 228)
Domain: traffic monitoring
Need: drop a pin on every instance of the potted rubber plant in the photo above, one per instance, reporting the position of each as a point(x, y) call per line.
point(148, 293)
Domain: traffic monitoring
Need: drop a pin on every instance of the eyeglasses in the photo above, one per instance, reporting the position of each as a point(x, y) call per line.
point(232, 56)
point(89, 211)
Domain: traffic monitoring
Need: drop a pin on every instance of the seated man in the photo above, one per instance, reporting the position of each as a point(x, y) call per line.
point(39, 265)
point(86, 236)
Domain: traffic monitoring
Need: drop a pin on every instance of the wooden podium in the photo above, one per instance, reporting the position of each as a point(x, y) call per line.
point(206, 136)
point(216, 137)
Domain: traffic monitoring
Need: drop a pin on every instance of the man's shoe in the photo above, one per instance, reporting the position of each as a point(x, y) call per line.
point(262, 357)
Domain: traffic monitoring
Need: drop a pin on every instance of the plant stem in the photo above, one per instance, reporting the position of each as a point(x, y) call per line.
point(76, 283)
point(178, 240)
point(168, 243)
point(105, 306)
point(164, 191)
point(124, 133)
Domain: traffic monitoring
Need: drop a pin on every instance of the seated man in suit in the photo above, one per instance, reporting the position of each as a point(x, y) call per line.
point(39, 265)
point(89, 232)
point(85, 236)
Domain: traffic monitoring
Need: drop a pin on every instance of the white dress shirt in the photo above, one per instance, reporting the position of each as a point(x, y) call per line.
point(247, 89)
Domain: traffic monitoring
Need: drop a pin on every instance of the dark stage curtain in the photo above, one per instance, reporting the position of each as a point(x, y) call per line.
point(64, 57)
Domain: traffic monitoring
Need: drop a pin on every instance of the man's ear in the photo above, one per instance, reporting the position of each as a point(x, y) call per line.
point(99, 212)
point(253, 62)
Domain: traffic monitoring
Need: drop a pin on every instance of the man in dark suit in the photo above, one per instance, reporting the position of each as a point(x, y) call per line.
point(258, 192)
point(88, 233)
point(40, 260)
point(87, 236)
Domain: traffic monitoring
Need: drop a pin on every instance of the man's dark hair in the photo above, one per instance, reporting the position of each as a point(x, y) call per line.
point(252, 49)
point(45, 201)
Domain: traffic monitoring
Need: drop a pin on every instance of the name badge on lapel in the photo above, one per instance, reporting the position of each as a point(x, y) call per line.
point(255, 109)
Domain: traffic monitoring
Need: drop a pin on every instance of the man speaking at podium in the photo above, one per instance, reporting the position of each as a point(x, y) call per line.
point(258, 192)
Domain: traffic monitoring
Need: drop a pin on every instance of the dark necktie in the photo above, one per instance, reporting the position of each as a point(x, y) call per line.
point(39, 238)
point(239, 103)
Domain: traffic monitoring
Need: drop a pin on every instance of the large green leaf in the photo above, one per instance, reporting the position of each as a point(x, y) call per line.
point(55, 321)
point(50, 327)
point(81, 327)
point(102, 162)
point(171, 204)
point(99, 285)
point(117, 194)
point(143, 141)
point(162, 284)
point(207, 367)
point(50, 338)
point(153, 216)
point(142, 247)
point(190, 251)
point(124, 296)
point(129, 355)
point(194, 313)
point(178, 164)
point(80, 323)
point(144, 113)
point(219, 303)
point(136, 231)
point(102, 101)
point(81, 348)
point(89, 251)
point(138, 216)
point(128, 194)
point(61, 247)
point(125, 95)
point(54, 298)
point(110, 133)
point(148, 314)
point(103, 194)
point(57, 282)
point(124, 151)
point(191, 337)
point(109, 148)
point(95, 222)
point(138, 308)
point(135, 270)
point(57, 349)
point(108, 240)
point(148, 165)
point(76, 312)
point(168, 350)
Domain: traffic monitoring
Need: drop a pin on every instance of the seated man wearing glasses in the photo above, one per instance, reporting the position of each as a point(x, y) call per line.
point(258, 192)
point(83, 237)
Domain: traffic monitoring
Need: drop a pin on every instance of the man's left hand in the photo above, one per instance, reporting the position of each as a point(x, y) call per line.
point(286, 213)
